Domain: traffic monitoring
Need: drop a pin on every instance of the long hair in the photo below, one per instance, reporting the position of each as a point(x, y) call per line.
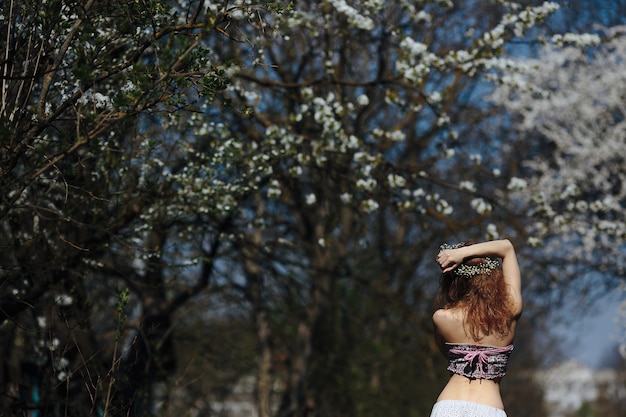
point(484, 298)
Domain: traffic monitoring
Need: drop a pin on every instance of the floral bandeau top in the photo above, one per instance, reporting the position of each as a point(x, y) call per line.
point(478, 361)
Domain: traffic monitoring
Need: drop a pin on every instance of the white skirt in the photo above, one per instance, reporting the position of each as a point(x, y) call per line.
point(457, 408)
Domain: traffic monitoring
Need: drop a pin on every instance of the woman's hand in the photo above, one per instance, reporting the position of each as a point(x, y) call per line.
point(450, 259)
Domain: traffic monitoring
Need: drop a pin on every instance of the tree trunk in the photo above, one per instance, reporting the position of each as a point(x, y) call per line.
point(264, 381)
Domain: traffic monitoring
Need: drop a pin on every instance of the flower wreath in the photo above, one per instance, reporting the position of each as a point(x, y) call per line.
point(468, 271)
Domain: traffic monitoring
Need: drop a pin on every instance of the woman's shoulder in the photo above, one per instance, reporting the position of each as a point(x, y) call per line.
point(448, 323)
point(439, 314)
point(446, 315)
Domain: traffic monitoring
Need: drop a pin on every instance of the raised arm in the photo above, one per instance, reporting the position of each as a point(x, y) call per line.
point(452, 258)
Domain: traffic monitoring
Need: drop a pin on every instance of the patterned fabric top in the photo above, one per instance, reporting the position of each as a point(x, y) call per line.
point(478, 361)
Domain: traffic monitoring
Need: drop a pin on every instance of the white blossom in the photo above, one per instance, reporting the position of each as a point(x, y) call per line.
point(128, 87)
point(369, 205)
point(99, 100)
point(54, 344)
point(352, 142)
point(346, 197)
point(367, 184)
point(582, 205)
point(274, 190)
point(413, 47)
point(476, 158)
point(443, 207)
point(443, 120)
point(396, 180)
point(423, 16)
point(396, 136)
point(481, 206)
point(363, 100)
point(517, 184)
point(296, 171)
point(435, 97)
point(63, 300)
point(492, 232)
point(585, 39)
point(467, 185)
point(354, 17)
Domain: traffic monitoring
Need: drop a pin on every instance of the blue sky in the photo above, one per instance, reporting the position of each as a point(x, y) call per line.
point(590, 332)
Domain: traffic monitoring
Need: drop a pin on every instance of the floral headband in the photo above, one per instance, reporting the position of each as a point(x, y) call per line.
point(468, 271)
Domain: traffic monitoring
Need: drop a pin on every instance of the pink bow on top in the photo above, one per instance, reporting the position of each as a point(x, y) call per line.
point(482, 355)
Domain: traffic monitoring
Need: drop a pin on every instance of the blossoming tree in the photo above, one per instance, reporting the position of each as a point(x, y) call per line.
point(568, 111)
point(90, 92)
point(168, 163)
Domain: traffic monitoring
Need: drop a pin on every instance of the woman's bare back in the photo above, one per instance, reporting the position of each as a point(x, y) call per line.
point(450, 328)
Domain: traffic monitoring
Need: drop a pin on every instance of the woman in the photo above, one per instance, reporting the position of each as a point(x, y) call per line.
point(480, 304)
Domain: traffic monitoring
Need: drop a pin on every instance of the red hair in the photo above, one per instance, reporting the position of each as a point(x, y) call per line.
point(484, 298)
